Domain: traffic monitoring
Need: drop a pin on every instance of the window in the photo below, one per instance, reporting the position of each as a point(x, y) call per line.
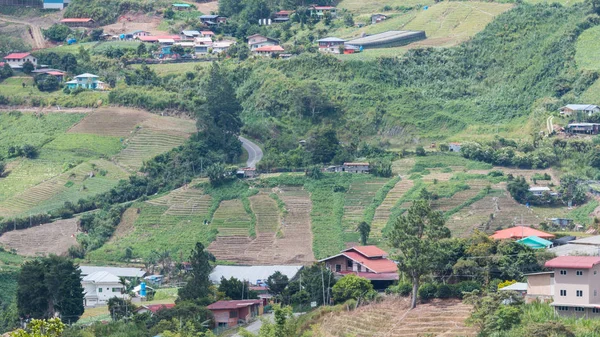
point(595, 292)
point(595, 310)
point(349, 264)
point(580, 309)
point(560, 308)
point(116, 290)
point(233, 314)
point(579, 293)
point(579, 273)
point(99, 290)
point(338, 268)
point(563, 272)
point(358, 267)
point(563, 293)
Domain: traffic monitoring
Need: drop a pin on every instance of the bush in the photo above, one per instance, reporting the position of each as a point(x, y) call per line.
point(465, 287)
point(443, 291)
point(420, 151)
point(427, 291)
point(57, 32)
point(402, 289)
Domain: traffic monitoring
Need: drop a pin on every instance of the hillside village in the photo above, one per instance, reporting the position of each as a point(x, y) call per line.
point(292, 168)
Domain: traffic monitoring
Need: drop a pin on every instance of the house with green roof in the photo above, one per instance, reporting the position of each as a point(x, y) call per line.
point(535, 242)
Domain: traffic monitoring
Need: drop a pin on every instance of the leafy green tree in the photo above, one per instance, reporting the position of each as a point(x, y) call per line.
point(120, 308)
point(324, 146)
point(216, 174)
point(57, 32)
point(235, 289)
point(279, 328)
point(351, 287)
point(420, 151)
point(32, 292)
point(53, 327)
point(2, 168)
point(69, 62)
point(28, 67)
point(46, 82)
point(349, 20)
point(6, 71)
point(96, 33)
point(314, 172)
point(198, 285)
point(219, 118)
point(277, 283)
point(417, 235)
point(177, 50)
point(519, 189)
point(364, 229)
point(141, 49)
point(494, 312)
point(169, 13)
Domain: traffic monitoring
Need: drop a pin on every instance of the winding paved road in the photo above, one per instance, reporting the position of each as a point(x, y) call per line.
point(255, 154)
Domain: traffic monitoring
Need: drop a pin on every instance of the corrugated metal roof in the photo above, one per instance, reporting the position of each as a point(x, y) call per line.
point(571, 249)
point(580, 107)
point(251, 273)
point(228, 305)
point(101, 277)
point(572, 262)
point(385, 37)
point(331, 39)
point(368, 251)
point(123, 272)
point(519, 286)
point(17, 56)
point(592, 240)
point(519, 232)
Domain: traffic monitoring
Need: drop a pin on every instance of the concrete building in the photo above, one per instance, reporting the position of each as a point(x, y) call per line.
point(99, 287)
point(576, 285)
point(587, 109)
point(56, 4)
point(539, 190)
point(16, 60)
point(232, 313)
point(540, 286)
point(257, 41)
point(355, 167)
point(331, 45)
point(86, 81)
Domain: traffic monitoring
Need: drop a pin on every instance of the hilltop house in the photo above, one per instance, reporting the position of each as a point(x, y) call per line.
point(137, 33)
point(86, 81)
point(190, 33)
point(586, 246)
point(117, 271)
point(540, 286)
point(282, 16)
point(571, 109)
point(182, 7)
point(207, 33)
point(376, 18)
point(576, 285)
point(330, 45)
point(586, 128)
point(520, 232)
point(454, 147)
point(369, 262)
point(355, 167)
point(212, 19)
point(256, 41)
point(16, 60)
point(221, 46)
point(268, 50)
point(231, 313)
point(320, 11)
point(539, 190)
point(99, 287)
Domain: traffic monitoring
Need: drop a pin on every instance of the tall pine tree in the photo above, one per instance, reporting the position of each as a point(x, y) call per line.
point(198, 286)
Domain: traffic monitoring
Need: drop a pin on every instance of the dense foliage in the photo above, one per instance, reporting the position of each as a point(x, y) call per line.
point(57, 32)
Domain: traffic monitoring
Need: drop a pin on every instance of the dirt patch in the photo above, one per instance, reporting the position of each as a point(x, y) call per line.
point(111, 121)
point(125, 227)
point(52, 238)
point(206, 7)
point(135, 21)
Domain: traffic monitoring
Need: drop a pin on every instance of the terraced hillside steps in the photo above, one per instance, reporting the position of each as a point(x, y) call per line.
point(359, 196)
point(392, 318)
point(383, 212)
point(184, 201)
point(144, 145)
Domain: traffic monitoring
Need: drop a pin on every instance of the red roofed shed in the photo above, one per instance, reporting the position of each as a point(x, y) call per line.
point(230, 313)
point(519, 232)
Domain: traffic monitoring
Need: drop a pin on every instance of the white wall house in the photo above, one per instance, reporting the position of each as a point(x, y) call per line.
point(99, 287)
point(16, 60)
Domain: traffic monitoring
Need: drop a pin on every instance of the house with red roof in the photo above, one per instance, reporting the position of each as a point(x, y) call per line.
point(232, 313)
point(520, 232)
point(282, 16)
point(78, 22)
point(268, 50)
point(16, 60)
point(369, 262)
point(576, 285)
point(153, 308)
point(321, 11)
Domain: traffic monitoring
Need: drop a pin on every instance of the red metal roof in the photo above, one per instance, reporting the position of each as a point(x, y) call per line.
point(17, 56)
point(519, 232)
point(207, 32)
point(56, 73)
point(228, 305)
point(269, 48)
point(373, 276)
point(73, 20)
point(582, 262)
point(156, 307)
point(368, 251)
point(284, 12)
point(379, 265)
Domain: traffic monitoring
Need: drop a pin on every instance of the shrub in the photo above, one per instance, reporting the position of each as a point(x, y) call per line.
point(427, 291)
point(420, 151)
point(402, 289)
point(465, 287)
point(443, 291)
point(57, 32)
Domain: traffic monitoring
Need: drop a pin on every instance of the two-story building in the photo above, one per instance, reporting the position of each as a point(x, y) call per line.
point(232, 313)
point(587, 109)
point(369, 262)
point(16, 60)
point(86, 81)
point(99, 287)
point(331, 45)
point(282, 16)
point(257, 41)
point(576, 285)
point(321, 11)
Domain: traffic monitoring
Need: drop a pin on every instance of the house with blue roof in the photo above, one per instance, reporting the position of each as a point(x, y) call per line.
point(535, 242)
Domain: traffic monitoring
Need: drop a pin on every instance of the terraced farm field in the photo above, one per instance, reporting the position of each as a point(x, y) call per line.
point(383, 212)
point(392, 318)
point(185, 201)
point(144, 145)
point(359, 196)
point(111, 121)
point(52, 238)
point(231, 219)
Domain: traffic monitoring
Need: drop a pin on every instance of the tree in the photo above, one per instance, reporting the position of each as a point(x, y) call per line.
point(2, 168)
point(324, 146)
point(169, 13)
point(351, 287)
point(235, 289)
point(348, 20)
point(6, 71)
point(53, 327)
point(420, 151)
point(417, 235)
point(279, 328)
point(494, 312)
point(216, 174)
point(28, 67)
point(141, 49)
point(219, 118)
point(277, 283)
point(120, 308)
point(45, 82)
point(177, 49)
point(95, 34)
point(48, 286)
point(364, 229)
point(519, 189)
point(69, 62)
point(198, 285)
point(57, 32)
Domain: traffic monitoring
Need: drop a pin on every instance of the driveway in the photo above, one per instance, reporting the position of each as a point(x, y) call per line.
point(255, 326)
point(255, 154)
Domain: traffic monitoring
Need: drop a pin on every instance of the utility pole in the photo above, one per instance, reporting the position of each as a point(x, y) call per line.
point(323, 285)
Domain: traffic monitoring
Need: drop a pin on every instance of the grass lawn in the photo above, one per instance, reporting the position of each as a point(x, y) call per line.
point(376, 6)
point(13, 89)
point(588, 42)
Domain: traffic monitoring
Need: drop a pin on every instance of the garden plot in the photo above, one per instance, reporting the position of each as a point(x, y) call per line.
point(111, 121)
point(185, 201)
point(359, 196)
point(383, 212)
point(144, 145)
point(267, 214)
point(231, 219)
point(295, 246)
point(51, 238)
point(392, 318)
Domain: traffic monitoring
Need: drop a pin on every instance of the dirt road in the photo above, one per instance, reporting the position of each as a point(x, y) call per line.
point(34, 31)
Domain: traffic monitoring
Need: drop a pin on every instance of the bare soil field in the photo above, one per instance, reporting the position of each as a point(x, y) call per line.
point(52, 238)
point(135, 21)
point(392, 318)
point(126, 225)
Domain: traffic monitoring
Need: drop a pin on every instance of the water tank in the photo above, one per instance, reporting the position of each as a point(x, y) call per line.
point(143, 289)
